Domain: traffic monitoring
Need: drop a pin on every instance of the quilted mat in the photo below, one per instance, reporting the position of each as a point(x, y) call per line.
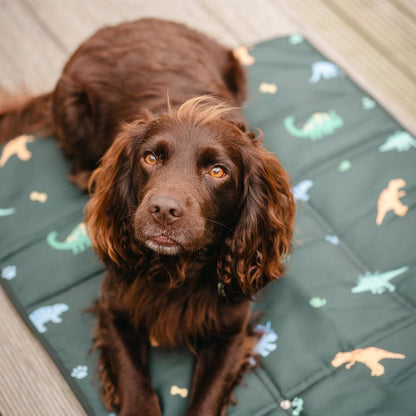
point(339, 331)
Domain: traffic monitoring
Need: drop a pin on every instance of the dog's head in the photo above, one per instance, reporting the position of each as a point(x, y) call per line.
point(188, 181)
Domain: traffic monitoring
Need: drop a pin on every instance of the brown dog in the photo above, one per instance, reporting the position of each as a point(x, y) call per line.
point(190, 214)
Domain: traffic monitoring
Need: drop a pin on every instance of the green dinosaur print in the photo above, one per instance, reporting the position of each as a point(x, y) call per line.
point(317, 302)
point(344, 166)
point(401, 141)
point(4, 212)
point(316, 127)
point(377, 283)
point(77, 241)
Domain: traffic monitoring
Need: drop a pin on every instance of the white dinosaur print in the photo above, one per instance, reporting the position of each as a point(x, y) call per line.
point(50, 313)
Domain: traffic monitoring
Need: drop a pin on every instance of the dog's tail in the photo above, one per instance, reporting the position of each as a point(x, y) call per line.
point(25, 114)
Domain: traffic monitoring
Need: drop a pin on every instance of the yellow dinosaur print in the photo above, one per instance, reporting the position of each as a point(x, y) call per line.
point(18, 147)
point(38, 196)
point(267, 88)
point(389, 200)
point(175, 390)
point(370, 356)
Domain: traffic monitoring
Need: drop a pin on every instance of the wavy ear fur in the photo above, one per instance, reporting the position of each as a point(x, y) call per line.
point(255, 253)
point(113, 200)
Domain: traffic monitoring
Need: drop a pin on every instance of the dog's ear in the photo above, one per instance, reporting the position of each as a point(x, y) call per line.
point(112, 196)
point(256, 252)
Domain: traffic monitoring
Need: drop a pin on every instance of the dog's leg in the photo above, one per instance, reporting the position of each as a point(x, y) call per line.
point(123, 356)
point(218, 369)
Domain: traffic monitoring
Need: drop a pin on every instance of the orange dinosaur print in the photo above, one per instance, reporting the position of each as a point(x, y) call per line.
point(389, 200)
point(18, 147)
point(369, 356)
point(241, 53)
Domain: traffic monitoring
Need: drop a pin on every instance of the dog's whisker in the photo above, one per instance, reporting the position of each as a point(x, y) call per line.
point(219, 223)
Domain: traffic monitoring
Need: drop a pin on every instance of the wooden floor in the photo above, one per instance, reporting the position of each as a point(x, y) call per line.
point(373, 40)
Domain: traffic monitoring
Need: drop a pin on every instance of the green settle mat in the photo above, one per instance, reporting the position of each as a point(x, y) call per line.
point(339, 330)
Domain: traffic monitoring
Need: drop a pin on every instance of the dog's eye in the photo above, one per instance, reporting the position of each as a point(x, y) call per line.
point(217, 172)
point(150, 158)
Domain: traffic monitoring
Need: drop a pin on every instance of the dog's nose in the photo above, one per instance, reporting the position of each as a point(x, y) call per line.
point(166, 210)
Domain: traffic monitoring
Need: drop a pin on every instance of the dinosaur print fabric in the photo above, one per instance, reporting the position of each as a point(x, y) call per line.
point(341, 324)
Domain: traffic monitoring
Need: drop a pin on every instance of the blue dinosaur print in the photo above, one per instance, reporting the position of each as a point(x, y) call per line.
point(377, 283)
point(333, 239)
point(267, 342)
point(325, 69)
point(402, 141)
point(51, 313)
point(9, 272)
point(300, 191)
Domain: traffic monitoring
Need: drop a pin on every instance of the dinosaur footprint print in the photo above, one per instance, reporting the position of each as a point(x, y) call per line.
point(79, 372)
